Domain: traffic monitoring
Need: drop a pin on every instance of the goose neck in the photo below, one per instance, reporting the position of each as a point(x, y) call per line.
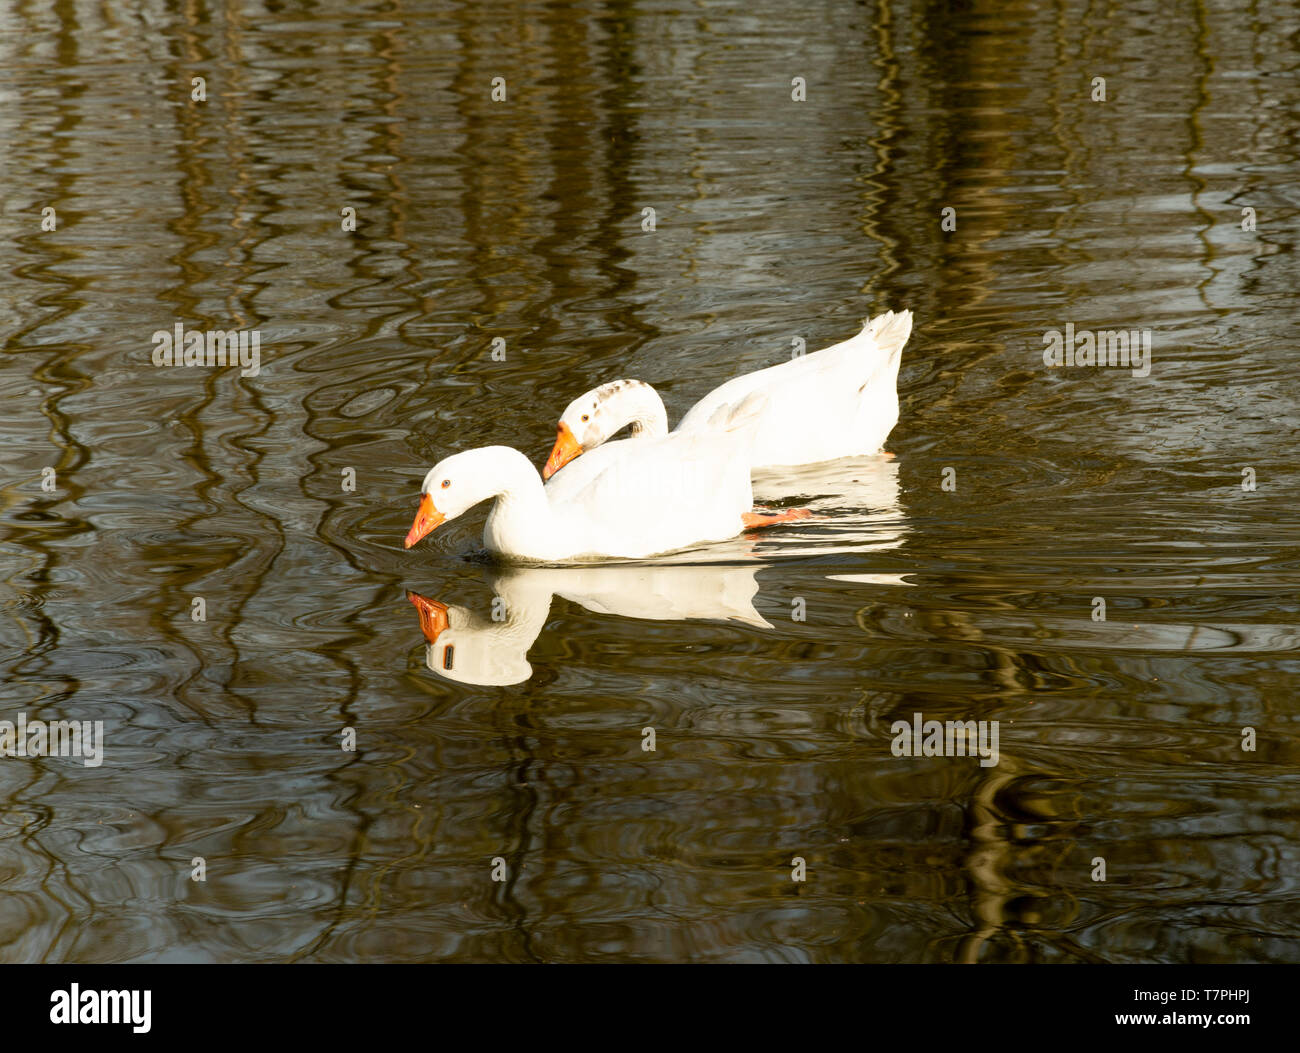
point(644, 410)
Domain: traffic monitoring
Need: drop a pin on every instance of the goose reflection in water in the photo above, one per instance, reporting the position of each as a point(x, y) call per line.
point(855, 502)
point(474, 649)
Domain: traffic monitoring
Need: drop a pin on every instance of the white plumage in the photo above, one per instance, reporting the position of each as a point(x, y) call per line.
point(841, 401)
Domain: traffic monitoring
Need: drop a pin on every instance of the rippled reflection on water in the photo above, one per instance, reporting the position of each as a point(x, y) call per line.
point(476, 220)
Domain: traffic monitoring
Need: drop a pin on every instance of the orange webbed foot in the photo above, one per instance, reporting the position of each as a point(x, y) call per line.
point(761, 517)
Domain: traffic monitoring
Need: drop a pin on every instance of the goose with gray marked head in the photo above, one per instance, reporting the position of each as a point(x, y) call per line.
point(841, 401)
point(650, 497)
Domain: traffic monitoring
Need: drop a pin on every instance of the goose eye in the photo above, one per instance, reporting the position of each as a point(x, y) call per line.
point(447, 656)
point(584, 418)
point(446, 483)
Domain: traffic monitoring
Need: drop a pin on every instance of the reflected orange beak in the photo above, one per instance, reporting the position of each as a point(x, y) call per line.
point(426, 519)
point(433, 616)
point(566, 449)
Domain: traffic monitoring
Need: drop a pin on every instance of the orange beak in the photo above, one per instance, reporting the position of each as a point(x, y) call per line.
point(566, 449)
point(426, 519)
point(433, 616)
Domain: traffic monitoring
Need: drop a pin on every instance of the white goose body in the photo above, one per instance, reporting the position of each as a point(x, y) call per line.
point(653, 496)
point(649, 496)
point(841, 401)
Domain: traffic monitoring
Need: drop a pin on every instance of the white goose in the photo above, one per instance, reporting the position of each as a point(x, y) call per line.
point(652, 496)
point(841, 401)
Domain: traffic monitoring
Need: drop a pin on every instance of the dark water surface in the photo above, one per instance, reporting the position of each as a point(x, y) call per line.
point(1120, 740)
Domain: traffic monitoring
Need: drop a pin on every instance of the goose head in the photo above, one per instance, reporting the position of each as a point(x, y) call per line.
point(591, 419)
point(459, 482)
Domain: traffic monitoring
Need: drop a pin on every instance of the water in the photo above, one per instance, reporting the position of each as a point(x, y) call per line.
point(1120, 740)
